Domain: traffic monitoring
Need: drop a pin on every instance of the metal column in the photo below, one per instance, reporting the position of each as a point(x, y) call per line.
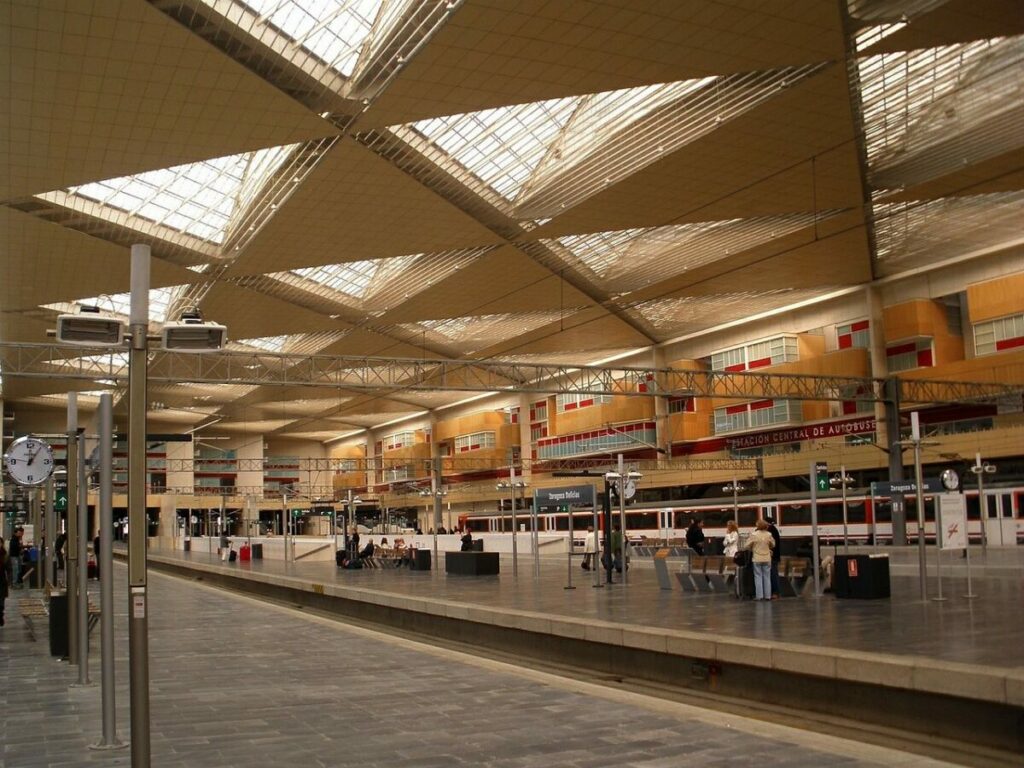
point(71, 545)
point(49, 554)
point(82, 602)
point(138, 525)
point(105, 560)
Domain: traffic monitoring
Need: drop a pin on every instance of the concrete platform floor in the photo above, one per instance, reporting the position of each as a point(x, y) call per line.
point(239, 682)
point(984, 630)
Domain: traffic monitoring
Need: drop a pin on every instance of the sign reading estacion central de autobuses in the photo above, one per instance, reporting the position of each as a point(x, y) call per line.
point(805, 432)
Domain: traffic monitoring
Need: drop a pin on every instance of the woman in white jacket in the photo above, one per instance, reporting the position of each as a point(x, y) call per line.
point(589, 549)
point(731, 541)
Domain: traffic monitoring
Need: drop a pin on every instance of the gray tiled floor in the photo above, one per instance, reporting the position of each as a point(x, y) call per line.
point(239, 683)
point(985, 630)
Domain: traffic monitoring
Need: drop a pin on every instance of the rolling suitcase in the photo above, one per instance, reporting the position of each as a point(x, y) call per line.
point(744, 576)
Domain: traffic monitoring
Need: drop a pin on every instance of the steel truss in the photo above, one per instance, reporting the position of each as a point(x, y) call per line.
point(454, 464)
point(374, 374)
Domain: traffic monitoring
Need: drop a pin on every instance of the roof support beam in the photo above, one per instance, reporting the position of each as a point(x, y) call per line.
point(402, 374)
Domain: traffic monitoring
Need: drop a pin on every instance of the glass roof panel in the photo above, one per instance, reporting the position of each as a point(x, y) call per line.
point(332, 30)
point(898, 88)
point(631, 259)
point(198, 199)
point(538, 159)
point(690, 314)
point(160, 299)
point(473, 333)
point(921, 233)
point(501, 146)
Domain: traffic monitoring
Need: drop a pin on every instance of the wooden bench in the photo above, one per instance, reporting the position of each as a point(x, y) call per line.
point(708, 573)
point(31, 608)
point(793, 575)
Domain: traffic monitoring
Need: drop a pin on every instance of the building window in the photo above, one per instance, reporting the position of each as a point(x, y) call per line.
point(539, 411)
point(682, 405)
point(761, 413)
point(628, 436)
point(999, 335)
point(573, 401)
point(474, 442)
point(758, 354)
point(537, 431)
point(908, 355)
point(854, 335)
point(399, 440)
point(511, 415)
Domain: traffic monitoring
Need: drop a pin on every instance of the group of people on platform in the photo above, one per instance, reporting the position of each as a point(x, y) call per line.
point(764, 544)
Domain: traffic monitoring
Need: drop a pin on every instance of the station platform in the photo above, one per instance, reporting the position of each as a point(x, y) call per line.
point(942, 670)
point(240, 682)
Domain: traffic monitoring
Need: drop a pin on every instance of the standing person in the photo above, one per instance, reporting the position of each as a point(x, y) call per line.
point(617, 553)
point(58, 549)
point(96, 553)
point(776, 555)
point(5, 578)
point(762, 543)
point(467, 541)
point(695, 536)
point(14, 554)
point(589, 549)
point(731, 540)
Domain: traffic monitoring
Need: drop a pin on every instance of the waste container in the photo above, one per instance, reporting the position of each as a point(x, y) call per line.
point(59, 623)
point(421, 560)
point(864, 577)
point(257, 552)
point(188, 545)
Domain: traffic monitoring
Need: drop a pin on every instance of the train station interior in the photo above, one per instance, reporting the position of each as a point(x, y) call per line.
point(434, 382)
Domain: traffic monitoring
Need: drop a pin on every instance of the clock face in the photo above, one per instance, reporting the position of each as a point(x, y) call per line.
point(950, 480)
point(29, 461)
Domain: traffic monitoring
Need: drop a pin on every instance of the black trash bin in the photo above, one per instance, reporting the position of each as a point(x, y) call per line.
point(59, 624)
point(421, 562)
point(257, 552)
point(188, 545)
point(864, 577)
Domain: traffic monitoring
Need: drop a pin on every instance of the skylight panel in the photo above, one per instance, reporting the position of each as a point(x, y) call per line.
point(351, 278)
point(160, 299)
point(198, 199)
point(631, 259)
point(473, 333)
point(535, 160)
point(896, 88)
point(265, 343)
point(920, 233)
point(332, 30)
point(689, 314)
point(500, 146)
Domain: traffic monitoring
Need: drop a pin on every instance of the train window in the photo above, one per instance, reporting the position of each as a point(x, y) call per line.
point(796, 514)
point(883, 511)
point(480, 524)
point(973, 508)
point(830, 514)
point(682, 519)
point(748, 517)
point(637, 520)
point(929, 509)
point(856, 512)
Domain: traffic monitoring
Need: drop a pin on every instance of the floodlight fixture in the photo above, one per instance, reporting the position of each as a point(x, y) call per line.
point(90, 327)
point(193, 334)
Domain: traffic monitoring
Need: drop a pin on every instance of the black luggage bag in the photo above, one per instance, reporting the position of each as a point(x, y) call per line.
point(745, 582)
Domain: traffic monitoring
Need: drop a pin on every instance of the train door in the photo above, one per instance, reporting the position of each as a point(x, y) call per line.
point(1000, 525)
point(770, 511)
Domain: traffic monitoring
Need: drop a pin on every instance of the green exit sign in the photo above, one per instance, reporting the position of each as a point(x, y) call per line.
point(821, 476)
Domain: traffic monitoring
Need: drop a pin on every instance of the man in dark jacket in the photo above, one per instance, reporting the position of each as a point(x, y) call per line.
point(14, 551)
point(695, 536)
point(776, 555)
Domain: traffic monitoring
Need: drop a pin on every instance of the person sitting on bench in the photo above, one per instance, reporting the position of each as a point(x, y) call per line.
point(367, 551)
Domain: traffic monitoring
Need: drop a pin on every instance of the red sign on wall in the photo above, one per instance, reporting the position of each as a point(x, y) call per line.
point(851, 568)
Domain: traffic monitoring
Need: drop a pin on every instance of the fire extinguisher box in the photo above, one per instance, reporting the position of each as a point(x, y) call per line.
point(864, 577)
